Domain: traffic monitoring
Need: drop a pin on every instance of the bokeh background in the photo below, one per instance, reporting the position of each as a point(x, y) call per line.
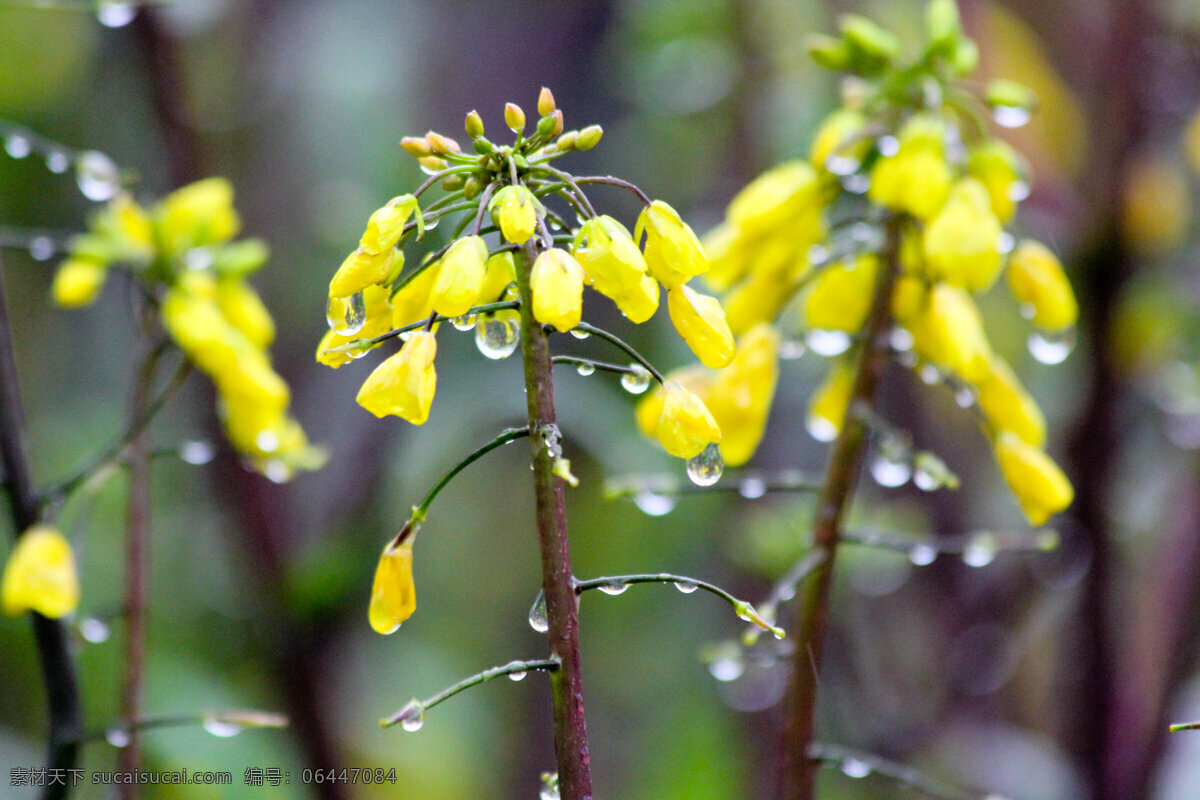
point(1037, 676)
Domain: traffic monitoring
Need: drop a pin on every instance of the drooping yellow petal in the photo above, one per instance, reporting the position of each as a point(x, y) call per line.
point(1008, 407)
point(514, 210)
point(741, 395)
point(460, 277)
point(640, 302)
point(673, 253)
point(1036, 278)
point(196, 215)
point(950, 333)
point(393, 594)
point(700, 320)
point(78, 282)
point(776, 198)
point(611, 261)
point(1039, 485)
point(361, 269)
point(405, 383)
point(557, 285)
point(40, 575)
point(685, 425)
point(244, 310)
point(827, 407)
point(841, 295)
point(386, 225)
point(962, 241)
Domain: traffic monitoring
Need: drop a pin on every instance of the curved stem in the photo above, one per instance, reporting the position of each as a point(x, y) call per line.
point(50, 635)
point(510, 435)
point(511, 668)
point(446, 173)
point(798, 772)
point(569, 181)
point(603, 366)
point(611, 181)
point(613, 339)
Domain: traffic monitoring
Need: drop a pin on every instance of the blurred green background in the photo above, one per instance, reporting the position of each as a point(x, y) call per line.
point(1039, 677)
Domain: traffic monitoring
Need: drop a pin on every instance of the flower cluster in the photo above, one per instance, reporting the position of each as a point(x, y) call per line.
point(806, 240)
point(182, 251)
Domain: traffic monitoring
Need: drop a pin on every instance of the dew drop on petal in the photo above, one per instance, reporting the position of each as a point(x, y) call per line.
point(585, 369)
point(901, 340)
point(114, 14)
point(854, 768)
point(1005, 242)
point(97, 176)
point(614, 588)
point(922, 555)
point(267, 441)
point(858, 183)
point(842, 164)
point(346, 315)
point(117, 737)
point(221, 728)
point(828, 343)
point(980, 550)
point(1018, 191)
point(925, 480)
point(930, 374)
point(818, 254)
point(752, 488)
point(497, 338)
point(964, 397)
point(637, 380)
point(654, 503)
point(686, 587)
point(1051, 347)
point(537, 614)
point(706, 468)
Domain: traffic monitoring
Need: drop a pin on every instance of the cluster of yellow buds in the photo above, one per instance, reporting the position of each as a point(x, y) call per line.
point(40, 575)
point(182, 250)
point(908, 140)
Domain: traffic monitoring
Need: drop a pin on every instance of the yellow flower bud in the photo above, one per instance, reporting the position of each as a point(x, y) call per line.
point(640, 302)
point(588, 138)
point(199, 214)
point(962, 241)
point(827, 408)
point(685, 425)
point(361, 269)
point(244, 310)
point(474, 125)
point(201, 331)
point(673, 253)
point(415, 301)
point(501, 272)
point(611, 261)
point(1008, 407)
point(1040, 486)
point(405, 383)
point(386, 225)
point(514, 117)
point(1037, 279)
point(916, 179)
point(545, 105)
point(694, 377)
point(840, 138)
point(778, 197)
point(557, 285)
point(78, 282)
point(908, 298)
point(841, 295)
point(998, 167)
point(950, 333)
point(460, 277)
point(514, 210)
point(393, 594)
point(740, 396)
point(129, 226)
point(700, 320)
point(40, 575)
point(416, 146)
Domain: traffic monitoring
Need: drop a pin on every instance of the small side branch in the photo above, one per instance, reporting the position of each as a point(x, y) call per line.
point(415, 709)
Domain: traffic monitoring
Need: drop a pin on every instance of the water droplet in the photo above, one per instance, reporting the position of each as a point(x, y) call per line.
point(267, 441)
point(706, 469)
point(752, 488)
point(792, 349)
point(221, 728)
point(637, 380)
point(41, 248)
point(17, 146)
point(842, 165)
point(653, 503)
point(113, 14)
point(517, 676)
point(930, 374)
point(199, 258)
point(686, 587)
point(727, 668)
point(891, 469)
point(578, 334)
point(1010, 116)
point(57, 161)
point(924, 479)
point(537, 614)
point(965, 397)
point(1028, 310)
point(922, 555)
point(277, 471)
point(865, 233)
point(94, 630)
point(828, 343)
point(498, 338)
point(901, 339)
point(463, 323)
point(359, 350)
point(818, 254)
point(197, 452)
point(585, 368)
point(97, 176)
point(1051, 347)
point(820, 428)
point(858, 183)
point(887, 146)
point(1005, 242)
point(1018, 191)
point(415, 722)
point(854, 768)
point(346, 315)
point(117, 737)
point(614, 588)
point(980, 550)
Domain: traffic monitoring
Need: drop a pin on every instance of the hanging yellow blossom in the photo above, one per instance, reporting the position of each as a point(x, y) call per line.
point(460, 277)
point(685, 425)
point(40, 575)
point(393, 594)
point(673, 253)
point(700, 320)
point(514, 210)
point(405, 383)
point(1039, 485)
point(1037, 279)
point(556, 281)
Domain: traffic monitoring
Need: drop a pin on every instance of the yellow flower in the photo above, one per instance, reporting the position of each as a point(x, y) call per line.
point(40, 575)
point(685, 425)
point(557, 285)
point(1156, 205)
point(827, 408)
point(201, 330)
point(610, 259)
point(386, 225)
point(776, 198)
point(460, 277)
point(728, 256)
point(1036, 278)
point(998, 167)
point(78, 282)
point(1040, 486)
point(514, 210)
point(673, 253)
point(404, 384)
point(950, 333)
point(962, 241)
point(694, 377)
point(501, 272)
point(393, 595)
point(244, 310)
point(199, 214)
point(840, 137)
point(740, 396)
point(700, 320)
point(361, 269)
point(908, 298)
point(916, 179)
point(379, 321)
point(640, 302)
point(130, 227)
point(841, 295)
point(1008, 407)
point(415, 301)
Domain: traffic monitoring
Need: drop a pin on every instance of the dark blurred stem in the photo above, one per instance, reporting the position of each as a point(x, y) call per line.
point(58, 671)
point(798, 770)
point(558, 582)
point(137, 546)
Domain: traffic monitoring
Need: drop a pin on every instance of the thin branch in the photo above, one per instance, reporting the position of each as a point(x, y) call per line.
point(508, 436)
point(416, 708)
point(611, 181)
point(612, 338)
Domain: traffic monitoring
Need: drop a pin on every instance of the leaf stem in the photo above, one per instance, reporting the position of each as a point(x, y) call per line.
point(510, 435)
point(511, 668)
point(613, 339)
